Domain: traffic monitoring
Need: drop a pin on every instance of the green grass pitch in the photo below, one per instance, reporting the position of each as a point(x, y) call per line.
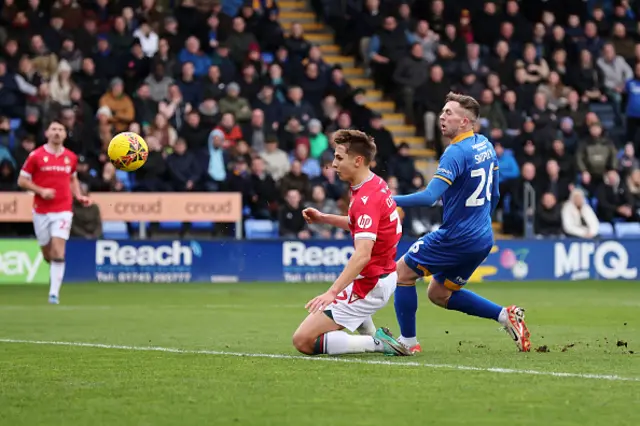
point(468, 374)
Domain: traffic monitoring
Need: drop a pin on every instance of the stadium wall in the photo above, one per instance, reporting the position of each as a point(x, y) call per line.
point(300, 261)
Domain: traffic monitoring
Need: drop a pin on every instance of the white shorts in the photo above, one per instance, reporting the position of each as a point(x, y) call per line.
point(352, 313)
point(49, 225)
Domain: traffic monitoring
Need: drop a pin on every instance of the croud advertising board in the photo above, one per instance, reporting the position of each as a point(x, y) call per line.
point(311, 261)
point(21, 263)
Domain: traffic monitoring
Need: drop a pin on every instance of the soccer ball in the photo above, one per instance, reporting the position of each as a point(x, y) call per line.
point(128, 151)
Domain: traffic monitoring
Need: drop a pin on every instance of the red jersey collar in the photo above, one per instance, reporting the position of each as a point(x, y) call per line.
point(361, 184)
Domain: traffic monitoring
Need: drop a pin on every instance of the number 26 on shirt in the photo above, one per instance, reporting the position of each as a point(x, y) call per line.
point(475, 199)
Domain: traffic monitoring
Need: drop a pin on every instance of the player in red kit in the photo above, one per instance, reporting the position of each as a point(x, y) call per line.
point(369, 278)
point(50, 173)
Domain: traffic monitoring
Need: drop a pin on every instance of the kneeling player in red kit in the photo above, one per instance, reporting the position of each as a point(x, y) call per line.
point(369, 278)
point(50, 173)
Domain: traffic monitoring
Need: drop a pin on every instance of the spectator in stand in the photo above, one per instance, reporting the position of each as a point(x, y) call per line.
point(627, 162)
point(388, 46)
point(265, 193)
point(320, 202)
point(317, 140)
point(231, 131)
point(513, 222)
point(548, 217)
point(615, 72)
point(215, 162)
point(189, 85)
point(239, 41)
point(386, 147)
point(183, 168)
point(633, 191)
point(492, 118)
point(276, 161)
point(163, 131)
point(632, 89)
point(403, 167)
point(191, 53)
point(410, 74)
point(334, 188)
point(159, 83)
point(613, 200)
point(23, 149)
point(595, 157)
point(239, 180)
point(568, 134)
point(310, 166)
point(193, 132)
point(297, 106)
point(120, 104)
point(586, 79)
point(8, 175)
point(553, 183)
point(292, 224)
point(295, 179)
point(576, 110)
point(152, 177)
point(270, 106)
point(235, 104)
point(429, 99)
point(255, 132)
point(578, 218)
point(555, 91)
point(508, 171)
point(427, 39)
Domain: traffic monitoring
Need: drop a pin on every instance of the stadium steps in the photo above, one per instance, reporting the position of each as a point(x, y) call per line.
point(321, 35)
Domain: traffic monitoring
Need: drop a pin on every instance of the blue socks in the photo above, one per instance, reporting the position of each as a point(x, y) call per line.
point(469, 303)
point(406, 304)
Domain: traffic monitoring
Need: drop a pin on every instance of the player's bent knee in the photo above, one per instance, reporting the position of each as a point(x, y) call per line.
point(438, 293)
point(303, 343)
point(406, 276)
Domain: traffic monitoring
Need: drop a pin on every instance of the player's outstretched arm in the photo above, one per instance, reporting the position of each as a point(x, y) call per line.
point(425, 198)
point(312, 215)
point(354, 266)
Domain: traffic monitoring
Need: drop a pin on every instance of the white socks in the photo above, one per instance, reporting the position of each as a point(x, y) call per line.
point(408, 341)
point(56, 274)
point(367, 328)
point(503, 318)
point(340, 342)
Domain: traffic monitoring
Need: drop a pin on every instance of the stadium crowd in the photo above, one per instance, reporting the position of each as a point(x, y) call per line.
point(228, 101)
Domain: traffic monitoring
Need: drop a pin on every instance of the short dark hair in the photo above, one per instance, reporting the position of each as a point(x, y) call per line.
point(467, 103)
point(356, 142)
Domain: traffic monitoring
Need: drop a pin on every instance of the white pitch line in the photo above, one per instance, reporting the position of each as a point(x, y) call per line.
point(610, 377)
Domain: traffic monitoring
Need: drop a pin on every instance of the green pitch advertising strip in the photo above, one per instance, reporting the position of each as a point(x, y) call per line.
point(21, 262)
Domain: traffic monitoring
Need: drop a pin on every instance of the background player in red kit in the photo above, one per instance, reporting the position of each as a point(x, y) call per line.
point(50, 173)
point(369, 278)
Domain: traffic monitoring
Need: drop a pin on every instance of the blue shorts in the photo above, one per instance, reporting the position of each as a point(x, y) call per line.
point(449, 266)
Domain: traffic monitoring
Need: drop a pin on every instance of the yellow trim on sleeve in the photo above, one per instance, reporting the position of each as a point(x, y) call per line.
point(443, 178)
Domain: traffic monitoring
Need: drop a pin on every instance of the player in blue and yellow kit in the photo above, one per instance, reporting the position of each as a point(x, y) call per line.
point(467, 181)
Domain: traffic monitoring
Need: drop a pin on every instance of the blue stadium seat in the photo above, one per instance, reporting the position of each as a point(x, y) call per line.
point(171, 226)
point(606, 230)
point(15, 123)
point(627, 229)
point(115, 230)
point(605, 114)
point(202, 226)
point(260, 229)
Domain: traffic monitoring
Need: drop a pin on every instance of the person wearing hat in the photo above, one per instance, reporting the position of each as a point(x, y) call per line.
point(235, 104)
point(595, 157)
point(120, 105)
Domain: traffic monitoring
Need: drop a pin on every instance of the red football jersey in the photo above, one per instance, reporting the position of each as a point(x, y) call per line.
point(54, 171)
point(373, 215)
